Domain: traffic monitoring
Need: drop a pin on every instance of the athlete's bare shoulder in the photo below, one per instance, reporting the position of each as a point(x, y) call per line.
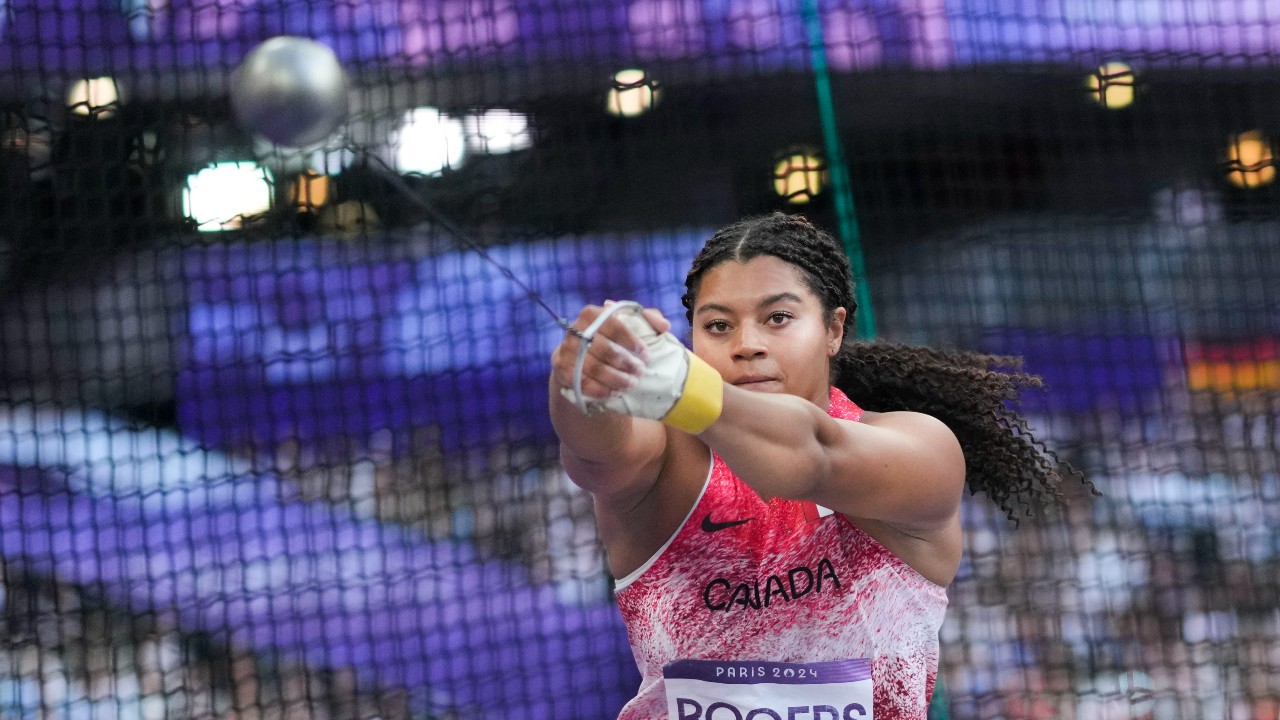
point(928, 430)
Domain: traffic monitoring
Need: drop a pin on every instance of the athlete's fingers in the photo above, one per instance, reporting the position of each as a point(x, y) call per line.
point(609, 354)
point(657, 320)
point(563, 359)
point(613, 353)
point(627, 347)
point(567, 350)
point(599, 380)
point(602, 381)
point(608, 366)
point(654, 316)
point(612, 365)
point(641, 332)
point(623, 337)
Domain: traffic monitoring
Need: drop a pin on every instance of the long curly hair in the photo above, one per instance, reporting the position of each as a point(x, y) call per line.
point(975, 394)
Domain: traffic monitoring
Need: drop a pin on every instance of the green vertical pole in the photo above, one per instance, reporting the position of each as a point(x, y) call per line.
point(846, 217)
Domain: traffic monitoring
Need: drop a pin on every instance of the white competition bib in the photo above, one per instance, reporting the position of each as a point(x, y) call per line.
point(757, 690)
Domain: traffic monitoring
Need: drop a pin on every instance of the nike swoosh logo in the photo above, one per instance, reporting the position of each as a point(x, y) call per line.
point(709, 525)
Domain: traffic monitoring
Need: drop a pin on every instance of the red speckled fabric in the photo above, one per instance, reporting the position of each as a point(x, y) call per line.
point(781, 587)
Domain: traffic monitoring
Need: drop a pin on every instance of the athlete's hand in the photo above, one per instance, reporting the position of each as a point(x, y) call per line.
point(616, 355)
point(640, 369)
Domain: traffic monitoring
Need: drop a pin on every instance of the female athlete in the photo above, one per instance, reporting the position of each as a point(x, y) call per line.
point(783, 494)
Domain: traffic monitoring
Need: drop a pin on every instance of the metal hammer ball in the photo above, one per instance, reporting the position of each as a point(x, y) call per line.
point(290, 90)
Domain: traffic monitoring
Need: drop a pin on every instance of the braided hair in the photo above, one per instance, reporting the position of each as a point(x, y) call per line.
point(974, 394)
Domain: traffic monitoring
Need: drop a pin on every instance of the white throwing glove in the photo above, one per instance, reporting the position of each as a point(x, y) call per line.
point(677, 387)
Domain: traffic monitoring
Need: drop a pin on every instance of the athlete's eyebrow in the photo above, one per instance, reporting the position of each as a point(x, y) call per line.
point(780, 297)
point(712, 307)
point(771, 300)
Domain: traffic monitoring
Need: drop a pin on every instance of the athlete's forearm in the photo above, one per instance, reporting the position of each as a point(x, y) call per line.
point(778, 444)
point(603, 438)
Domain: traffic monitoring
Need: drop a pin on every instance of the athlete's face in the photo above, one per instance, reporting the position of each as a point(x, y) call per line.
point(763, 329)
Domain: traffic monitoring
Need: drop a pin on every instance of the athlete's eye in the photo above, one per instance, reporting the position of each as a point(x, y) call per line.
point(778, 318)
point(716, 326)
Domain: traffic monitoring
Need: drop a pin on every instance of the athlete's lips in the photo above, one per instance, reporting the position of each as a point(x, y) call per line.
point(752, 380)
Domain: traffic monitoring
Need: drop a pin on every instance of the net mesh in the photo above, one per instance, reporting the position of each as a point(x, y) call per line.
point(277, 446)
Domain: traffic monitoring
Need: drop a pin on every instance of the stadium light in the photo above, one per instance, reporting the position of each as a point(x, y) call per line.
point(310, 190)
point(95, 98)
point(799, 176)
point(632, 93)
point(220, 196)
point(1111, 85)
point(428, 141)
point(497, 131)
point(1250, 160)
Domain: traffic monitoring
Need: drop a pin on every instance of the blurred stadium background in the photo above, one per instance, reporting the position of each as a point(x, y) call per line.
point(273, 444)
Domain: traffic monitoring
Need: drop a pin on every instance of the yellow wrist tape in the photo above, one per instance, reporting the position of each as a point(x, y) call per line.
point(701, 398)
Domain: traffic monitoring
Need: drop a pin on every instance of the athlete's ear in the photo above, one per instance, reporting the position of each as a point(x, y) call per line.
point(835, 331)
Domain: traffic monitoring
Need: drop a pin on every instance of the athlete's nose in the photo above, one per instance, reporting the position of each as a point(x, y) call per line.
point(749, 343)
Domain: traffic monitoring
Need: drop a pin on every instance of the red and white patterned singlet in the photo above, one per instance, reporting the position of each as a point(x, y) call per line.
point(743, 579)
